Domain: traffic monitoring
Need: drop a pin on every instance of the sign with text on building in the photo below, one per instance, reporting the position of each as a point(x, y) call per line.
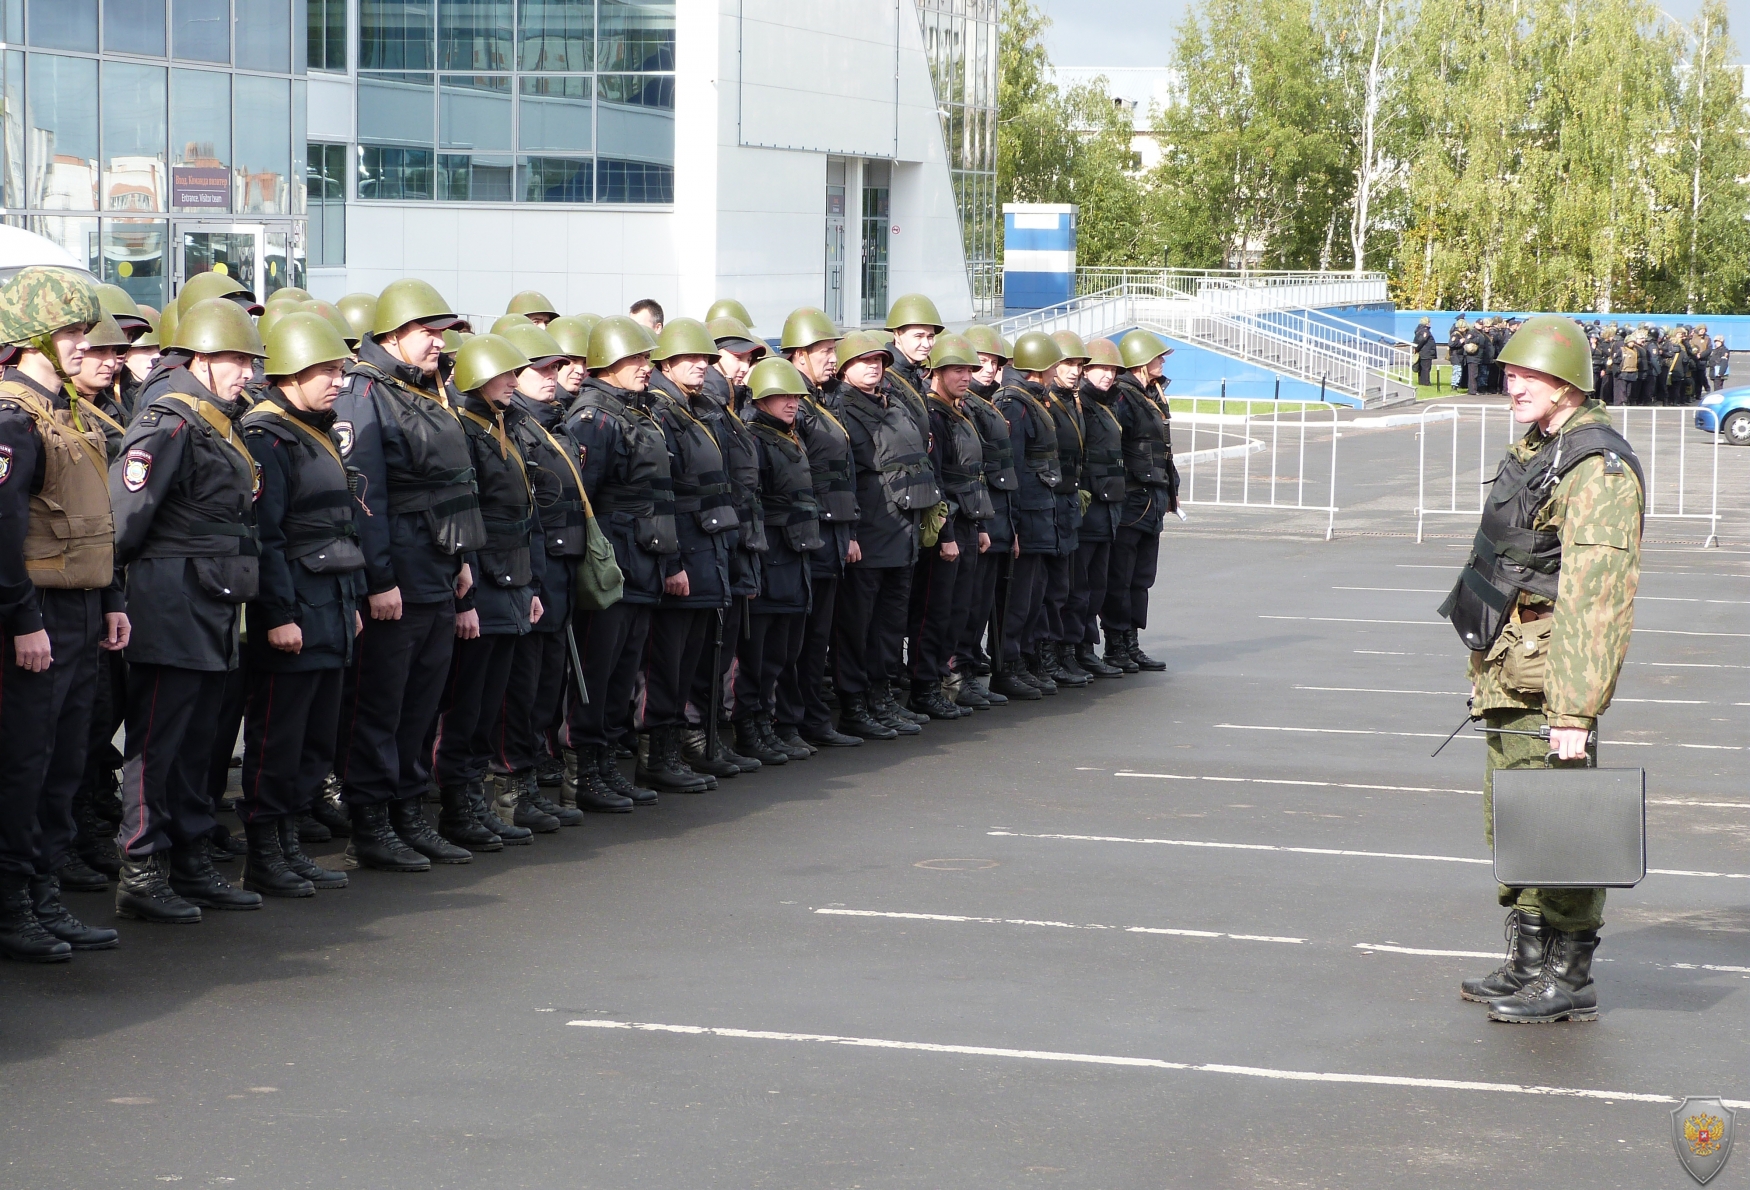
point(202, 187)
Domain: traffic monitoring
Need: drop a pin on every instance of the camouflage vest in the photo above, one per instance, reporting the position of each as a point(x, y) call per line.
point(70, 541)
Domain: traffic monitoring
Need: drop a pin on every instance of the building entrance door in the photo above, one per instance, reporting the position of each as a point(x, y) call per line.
point(263, 257)
point(835, 253)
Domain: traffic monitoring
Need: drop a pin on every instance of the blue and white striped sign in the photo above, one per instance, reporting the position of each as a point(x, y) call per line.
point(1039, 255)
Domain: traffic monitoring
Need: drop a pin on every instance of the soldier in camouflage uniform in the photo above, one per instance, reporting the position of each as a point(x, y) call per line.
point(1547, 609)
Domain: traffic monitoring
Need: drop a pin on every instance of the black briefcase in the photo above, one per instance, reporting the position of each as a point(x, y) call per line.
point(1570, 828)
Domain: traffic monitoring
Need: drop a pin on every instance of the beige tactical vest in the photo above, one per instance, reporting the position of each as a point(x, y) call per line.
point(70, 542)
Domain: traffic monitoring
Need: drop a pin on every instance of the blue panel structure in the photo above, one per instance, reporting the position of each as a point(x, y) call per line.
point(1039, 255)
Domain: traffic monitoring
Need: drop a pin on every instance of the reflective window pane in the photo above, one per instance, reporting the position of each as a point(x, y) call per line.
point(301, 36)
point(474, 34)
point(386, 171)
point(636, 35)
point(223, 252)
point(326, 34)
point(264, 145)
point(556, 35)
point(396, 107)
point(300, 105)
point(636, 120)
point(555, 179)
point(62, 118)
point(134, 26)
point(264, 35)
point(633, 181)
point(474, 178)
point(13, 142)
point(200, 140)
point(134, 157)
point(396, 35)
point(200, 30)
point(284, 264)
point(474, 113)
point(76, 235)
point(64, 24)
point(555, 114)
point(133, 257)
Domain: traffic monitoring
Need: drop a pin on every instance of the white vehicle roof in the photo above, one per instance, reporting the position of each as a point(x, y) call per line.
point(20, 248)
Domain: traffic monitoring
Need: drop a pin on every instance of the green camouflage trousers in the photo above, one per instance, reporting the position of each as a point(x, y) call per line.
point(1567, 909)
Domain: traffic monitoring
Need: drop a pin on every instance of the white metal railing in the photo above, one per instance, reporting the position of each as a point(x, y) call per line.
point(1232, 289)
point(1224, 443)
point(1680, 482)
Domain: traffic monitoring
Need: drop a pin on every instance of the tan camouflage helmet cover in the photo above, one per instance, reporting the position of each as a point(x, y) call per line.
point(41, 300)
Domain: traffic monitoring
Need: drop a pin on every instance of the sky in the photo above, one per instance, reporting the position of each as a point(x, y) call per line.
point(1140, 32)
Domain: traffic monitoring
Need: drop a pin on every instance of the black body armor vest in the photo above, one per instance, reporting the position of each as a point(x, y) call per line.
point(1039, 457)
point(1103, 452)
point(788, 504)
point(993, 441)
point(963, 465)
point(557, 486)
point(701, 484)
point(439, 481)
point(1071, 437)
point(1509, 555)
point(320, 527)
point(907, 478)
point(829, 457)
point(507, 503)
point(1146, 452)
point(742, 463)
point(646, 492)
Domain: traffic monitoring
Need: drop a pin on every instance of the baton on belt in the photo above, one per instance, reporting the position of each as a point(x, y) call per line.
point(576, 665)
point(715, 702)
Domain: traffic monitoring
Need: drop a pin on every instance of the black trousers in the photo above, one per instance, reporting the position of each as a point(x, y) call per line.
point(981, 601)
point(389, 702)
point(1087, 592)
point(801, 694)
point(935, 585)
point(770, 649)
point(1059, 573)
point(735, 640)
point(45, 726)
point(611, 643)
point(869, 626)
point(671, 662)
point(225, 733)
point(289, 722)
point(172, 719)
point(473, 699)
point(1135, 554)
point(1423, 368)
point(526, 732)
point(109, 705)
point(1026, 603)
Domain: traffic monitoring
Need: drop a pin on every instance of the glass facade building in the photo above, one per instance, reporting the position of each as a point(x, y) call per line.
point(960, 41)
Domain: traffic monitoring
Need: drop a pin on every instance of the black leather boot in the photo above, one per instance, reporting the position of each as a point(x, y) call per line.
point(550, 772)
point(969, 695)
point(591, 793)
point(525, 812)
point(696, 752)
point(1092, 663)
point(485, 813)
point(1040, 673)
point(1010, 683)
point(894, 694)
point(661, 767)
point(328, 811)
point(608, 769)
point(93, 841)
point(1142, 659)
point(749, 742)
point(1052, 655)
point(1527, 937)
point(832, 737)
point(375, 844)
point(1562, 991)
point(885, 710)
point(75, 876)
point(264, 866)
point(222, 846)
point(196, 881)
point(531, 783)
point(769, 736)
point(929, 700)
point(408, 818)
point(790, 735)
point(45, 901)
point(22, 936)
point(1118, 651)
point(456, 821)
point(725, 733)
point(856, 719)
point(311, 831)
point(143, 893)
point(292, 847)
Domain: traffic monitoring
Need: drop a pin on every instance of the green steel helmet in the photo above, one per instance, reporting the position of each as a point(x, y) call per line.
point(119, 304)
point(530, 301)
point(952, 351)
point(534, 342)
point(805, 327)
point(360, 310)
point(1036, 351)
point(684, 336)
point(588, 319)
point(857, 344)
point(1553, 345)
point(1139, 348)
point(731, 334)
point(107, 332)
point(453, 340)
point(335, 319)
point(484, 356)
point(1424, 321)
point(776, 377)
point(729, 308)
point(1071, 344)
point(410, 300)
point(302, 339)
point(571, 332)
point(167, 325)
point(273, 313)
point(153, 321)
point(41, 300)
point(618, 337)
point(914, 309)
point(505, 321)
point(986, 340)
point(1103, 353)
point(215, 325)
point(290, 291)
point(212, 284)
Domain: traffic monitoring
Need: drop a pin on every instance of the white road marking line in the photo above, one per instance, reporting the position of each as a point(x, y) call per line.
point(1339, 852)
point(1443, 954)
point(1065, 925)
point(1685, 702)
point(1659, 664)
point(1705, 967)
point(986, 1051)
point(1683, 632)
point(1398, 590)
point(1477, 735)
point(1285, 781)
point(1441, 623)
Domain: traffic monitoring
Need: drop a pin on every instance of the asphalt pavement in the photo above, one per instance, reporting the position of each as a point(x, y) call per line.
point(1195, 929)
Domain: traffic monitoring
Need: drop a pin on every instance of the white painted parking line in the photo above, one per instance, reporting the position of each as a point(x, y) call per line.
point(1659, 664)
point(1705, 967)
point(1440, 735)
point(1442, 954)
point(1265, 1072)
point(1285, 781)
point(1442, 623)
point(1341, 853)
point(1375, 690)
point(1061, 925)
point(1398, 590)
point(1685, 632)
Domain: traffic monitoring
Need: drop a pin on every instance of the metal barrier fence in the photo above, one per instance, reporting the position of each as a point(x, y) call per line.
point(1680, 482)
point(1222, 446)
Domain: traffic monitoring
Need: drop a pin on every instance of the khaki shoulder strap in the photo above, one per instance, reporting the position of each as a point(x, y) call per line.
point(43, 414)
point(569, 462)
point(826, 413)
point(285, 415)
point(506, 450)
point(215, 418)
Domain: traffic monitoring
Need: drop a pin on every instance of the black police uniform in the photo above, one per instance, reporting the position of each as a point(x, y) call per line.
point(1000, 484)
point(1103, 480)
point(778, 619)
point(715, 406)
point(938, 607)
point(416, 483)
point(1060, 567)
point(1033, 444)
point(1151, 490)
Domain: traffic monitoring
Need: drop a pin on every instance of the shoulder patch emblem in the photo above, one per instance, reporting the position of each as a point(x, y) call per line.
point(582, 455)
point(151, 417)
point(1612, 463)
point(5, 462)
point(343, 434)
point(135, 469)
point(255, 481)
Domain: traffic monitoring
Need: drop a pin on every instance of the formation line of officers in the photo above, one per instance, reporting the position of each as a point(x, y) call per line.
point(413, 563)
